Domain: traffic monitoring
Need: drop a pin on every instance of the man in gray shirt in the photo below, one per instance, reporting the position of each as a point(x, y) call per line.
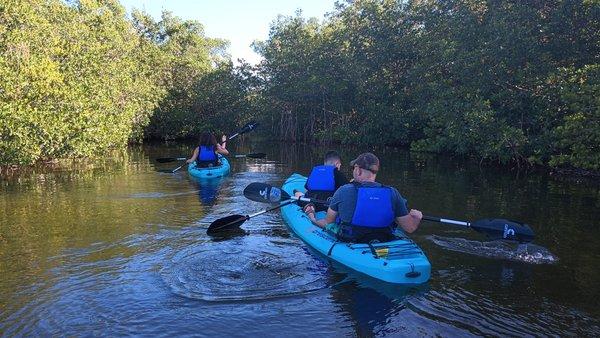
point(365, 209)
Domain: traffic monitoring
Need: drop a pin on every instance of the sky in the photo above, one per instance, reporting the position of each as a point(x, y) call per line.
point(241, 22)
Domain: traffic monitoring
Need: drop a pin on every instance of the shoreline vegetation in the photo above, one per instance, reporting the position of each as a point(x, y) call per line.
point(117, 157)
point(514, 83)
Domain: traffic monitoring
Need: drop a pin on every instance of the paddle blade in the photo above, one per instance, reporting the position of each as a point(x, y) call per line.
point(264, 193)
point(169, 159)
point(249, 127)
point(256, 155)
point(226, 223)
point(498, 228)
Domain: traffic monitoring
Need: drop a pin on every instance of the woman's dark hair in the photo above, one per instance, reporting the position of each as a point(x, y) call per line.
point(207, 139)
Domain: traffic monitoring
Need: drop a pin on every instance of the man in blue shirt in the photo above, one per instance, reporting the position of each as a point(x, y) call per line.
point(365, 210)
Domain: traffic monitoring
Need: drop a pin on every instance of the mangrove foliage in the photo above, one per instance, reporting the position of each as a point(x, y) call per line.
point(498, 80)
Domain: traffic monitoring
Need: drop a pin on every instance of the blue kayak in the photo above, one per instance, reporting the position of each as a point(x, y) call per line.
point(399, 261)
point(210, 172)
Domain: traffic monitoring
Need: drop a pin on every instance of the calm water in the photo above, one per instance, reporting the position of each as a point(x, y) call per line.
point(121, 249)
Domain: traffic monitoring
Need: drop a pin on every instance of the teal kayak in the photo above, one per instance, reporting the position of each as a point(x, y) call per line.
point(399, 261)
point(210, 172)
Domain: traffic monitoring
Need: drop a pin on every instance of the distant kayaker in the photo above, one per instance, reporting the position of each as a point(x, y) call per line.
point(365, 210)
point(324, 180)
point(205, 154)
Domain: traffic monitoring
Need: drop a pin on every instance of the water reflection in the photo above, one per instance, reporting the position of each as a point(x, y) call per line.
point(208, 189)
point(366, 302)
point(371, 305)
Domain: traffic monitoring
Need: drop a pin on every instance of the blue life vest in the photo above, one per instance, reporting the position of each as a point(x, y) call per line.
point(373, 207)
point(321, 178)
point(207, 154)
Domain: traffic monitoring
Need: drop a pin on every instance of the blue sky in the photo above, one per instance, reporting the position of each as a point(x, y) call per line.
point(240, 22)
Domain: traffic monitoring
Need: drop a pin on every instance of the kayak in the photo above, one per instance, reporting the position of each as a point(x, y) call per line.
point(210, 172)
point(400, 261)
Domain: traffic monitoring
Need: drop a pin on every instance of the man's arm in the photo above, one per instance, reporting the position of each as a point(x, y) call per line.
point(410, 222)
point(329, 218)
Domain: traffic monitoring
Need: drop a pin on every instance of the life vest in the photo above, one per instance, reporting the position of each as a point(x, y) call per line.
point(207, 154)
point(373, 207)
point(321, 178)
point(373, 217)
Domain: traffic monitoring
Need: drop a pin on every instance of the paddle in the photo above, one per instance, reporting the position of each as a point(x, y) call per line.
point(234, 221)
point(181, 166)
point(251, 155)
point(265, 193)
point(495, 228)
point(262, 192)
point(173, 159)
point(169, 171)
point(259, 192)
point(169, 159)
point(248, 127)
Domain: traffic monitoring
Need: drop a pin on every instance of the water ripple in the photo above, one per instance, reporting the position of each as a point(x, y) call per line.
point(234, 271)
point(478, 314)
